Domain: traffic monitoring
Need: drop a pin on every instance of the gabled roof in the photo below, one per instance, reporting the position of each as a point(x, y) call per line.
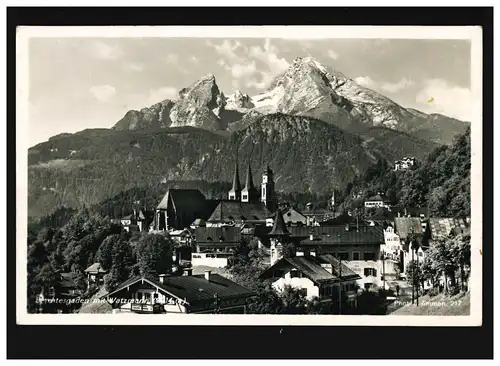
point(338, 235)
point(376, 198)
point(186, 199)
point(293, 215)
point(95, 268)
point(227, 211)
point(312, 268)
point(441, 228)
point(218, 235)
point(404, 225)
point(192, 289)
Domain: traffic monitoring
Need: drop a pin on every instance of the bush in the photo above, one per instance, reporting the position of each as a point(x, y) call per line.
point(433, 292)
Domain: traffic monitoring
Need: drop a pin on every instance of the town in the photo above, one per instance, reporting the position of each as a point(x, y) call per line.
point(331, 259)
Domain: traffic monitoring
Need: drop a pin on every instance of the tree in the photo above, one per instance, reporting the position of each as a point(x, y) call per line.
point(122, 261)
point(154, 255)
point(294, 300)
point(104, 253)
point(414, 273)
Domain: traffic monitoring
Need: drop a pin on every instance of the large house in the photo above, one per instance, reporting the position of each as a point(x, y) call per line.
point(95, 274)
point(319, 276)
point(205, 293)
point(214, 245)
point(405, 227)
point(359, 246)
point(376, 201)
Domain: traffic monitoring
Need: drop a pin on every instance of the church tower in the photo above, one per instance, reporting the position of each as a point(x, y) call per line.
point(235, 192)
point(268, 194)
point(249, 193)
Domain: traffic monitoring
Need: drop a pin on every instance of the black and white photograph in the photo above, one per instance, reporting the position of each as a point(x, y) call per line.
point(315, 175)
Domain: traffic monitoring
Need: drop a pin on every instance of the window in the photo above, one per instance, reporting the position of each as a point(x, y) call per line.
point(343, 256)
point(370, 272)
point(263, 191)
point(368, 286)
point(245, 197)
point(369, 256)
point(355, 256)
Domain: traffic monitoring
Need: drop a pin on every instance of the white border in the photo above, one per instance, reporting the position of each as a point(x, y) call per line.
point(474, 34)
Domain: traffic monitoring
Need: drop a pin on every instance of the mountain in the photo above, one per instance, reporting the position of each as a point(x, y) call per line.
point(307, 88)
point(307, 155)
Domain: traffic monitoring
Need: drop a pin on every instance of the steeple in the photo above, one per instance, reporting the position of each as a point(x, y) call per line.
point(249, 193)
point(268, 194)
point(235, 192)
point(249, 181)
point(278, 235)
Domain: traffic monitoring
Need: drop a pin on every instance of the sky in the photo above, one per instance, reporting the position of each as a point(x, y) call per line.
point(79, 83)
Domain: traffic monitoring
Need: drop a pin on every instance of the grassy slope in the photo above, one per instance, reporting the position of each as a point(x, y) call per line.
point(96, 306)
point(440, 305)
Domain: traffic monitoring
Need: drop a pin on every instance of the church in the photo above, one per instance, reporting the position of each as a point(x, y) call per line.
point(246, 205)
point(181, 208)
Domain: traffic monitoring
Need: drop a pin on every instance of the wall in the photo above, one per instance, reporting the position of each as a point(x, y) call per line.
point(200, 259)
point(359, 268)
point(304, 283)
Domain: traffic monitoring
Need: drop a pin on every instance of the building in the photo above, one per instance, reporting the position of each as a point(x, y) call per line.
point(405, 227)
point(442, 227)
point(214, 245)
point(278, 237)
point(319, 276)
point(405, 163)
point(139, 220)
point(179, 208)
point(376, 201)
point(316, 216)
point(95, 274)
point(268, 193)
point(205, 293)
point(294, 217)
point(238, 213)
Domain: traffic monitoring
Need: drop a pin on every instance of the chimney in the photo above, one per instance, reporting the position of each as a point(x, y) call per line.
point(188, 272)
point(207, 275)
point(346, 227)
point(311, 237)
point(161, 278)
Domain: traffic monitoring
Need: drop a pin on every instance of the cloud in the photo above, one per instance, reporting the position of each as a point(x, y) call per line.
point(365, 81)
point(332, 54)
point(439, 96)
point(172, 58)
point(106, 51)
point(102, 93)
point(395, 87)
point(133, 67)
point(253, 66)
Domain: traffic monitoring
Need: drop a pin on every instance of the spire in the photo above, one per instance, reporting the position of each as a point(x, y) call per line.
point(279, 227)
point(249, 181)
point(236, 179)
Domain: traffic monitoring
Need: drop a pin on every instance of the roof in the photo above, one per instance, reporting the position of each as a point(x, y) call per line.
point(376, 198)
point(95, 268)
point(249, 180)
point(293, 215)
point(188, 199)
point(318, 211)
point(312, 268)
point(199, 222)
point(442, 227)
point(235, 211)
point(192, 289)
point(217, 235)
point(128, 217)
point(279, 227)
point(404, 225)
point(346, 271)
point(236, 180)
point(338, 235)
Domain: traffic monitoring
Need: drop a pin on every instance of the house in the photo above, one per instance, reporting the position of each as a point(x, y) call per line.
point(316, 216)
point(139, 220)
point(294, 217)
point(378, 200)
point(205, 293)
point(61, 297)
point(405, 163)
point(214, 245)
point(404, 227)
point(319, 276)
point(179, 208)
point(95, 274)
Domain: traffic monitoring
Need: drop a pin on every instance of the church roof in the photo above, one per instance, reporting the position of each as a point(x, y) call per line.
point(236, 180)
point(279, 227)
point(237, 211)
point(249, 180)
point(185, 199)
point(218, 235)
